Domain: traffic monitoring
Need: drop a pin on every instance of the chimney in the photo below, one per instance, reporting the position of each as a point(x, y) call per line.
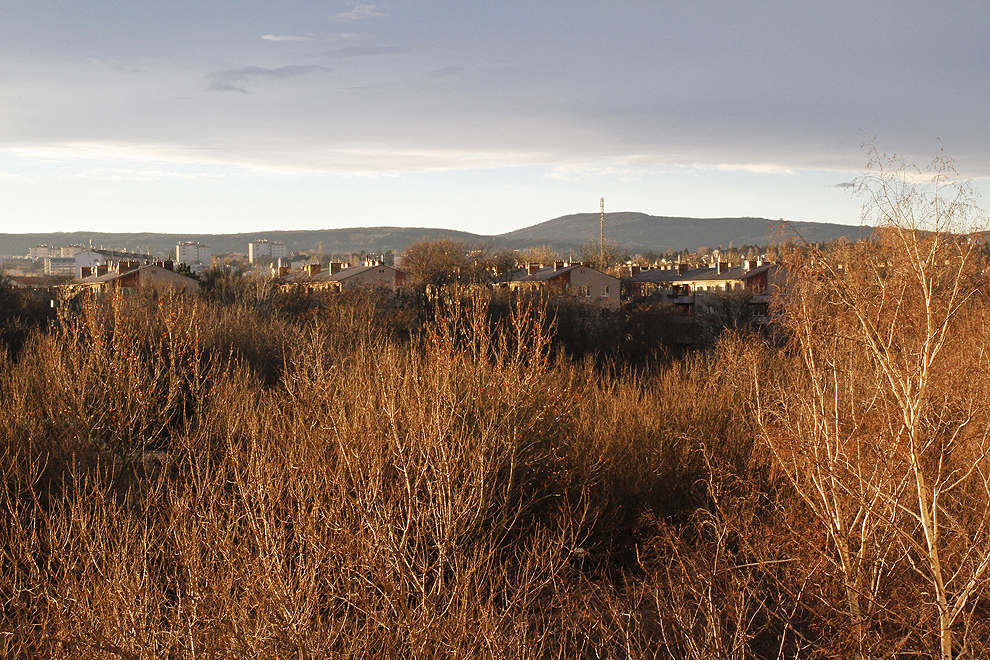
point(723, 266)
point(168, 264)
point(85, 271)
point(532, 268)
point(312, 269)
point(101, 269)
point(682, 268)
point(634, 270)
point(557, 265)
point(336, 267)
point(283, 271)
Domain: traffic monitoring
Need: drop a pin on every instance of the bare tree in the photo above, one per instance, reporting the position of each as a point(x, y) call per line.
point(539, 254)
point(435, 263)
point(601, 257)
point(880, 432)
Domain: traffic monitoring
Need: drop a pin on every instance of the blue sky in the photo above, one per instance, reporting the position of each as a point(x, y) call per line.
point(238, 116)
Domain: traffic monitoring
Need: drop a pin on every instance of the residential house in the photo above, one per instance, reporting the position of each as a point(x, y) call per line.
point(131, 276)
point(578, 281)
point(341, 277)
point(687, 287)
point(93, 259)
point(764, 283)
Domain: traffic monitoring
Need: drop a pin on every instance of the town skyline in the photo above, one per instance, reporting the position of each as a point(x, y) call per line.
point(630, 231)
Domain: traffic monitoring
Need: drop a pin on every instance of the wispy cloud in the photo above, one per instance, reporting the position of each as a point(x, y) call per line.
point(237, 80)
point(285, 37)
point(369, 88)
point(752, 168)
point(847, 184)
point(361, 51)
point(115, 65)
point(359, 12)
point(445, 72)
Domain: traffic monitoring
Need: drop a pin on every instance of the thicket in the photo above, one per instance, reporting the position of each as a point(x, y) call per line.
point(248, 474)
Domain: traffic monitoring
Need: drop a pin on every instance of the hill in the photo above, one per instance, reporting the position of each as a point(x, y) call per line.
point(639, 232)
point(634, 232)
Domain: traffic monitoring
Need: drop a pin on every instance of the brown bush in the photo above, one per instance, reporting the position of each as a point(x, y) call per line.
point(361, 475)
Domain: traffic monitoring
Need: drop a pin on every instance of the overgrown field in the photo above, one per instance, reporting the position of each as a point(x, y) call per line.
point(247, 476)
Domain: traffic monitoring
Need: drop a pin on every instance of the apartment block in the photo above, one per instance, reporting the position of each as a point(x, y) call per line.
point(60, 266)
point(42, 252)
point(265, 248)
point(190, 253)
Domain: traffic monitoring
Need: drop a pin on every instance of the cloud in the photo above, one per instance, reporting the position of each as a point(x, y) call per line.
point(237, 80)
point(371, 87)
point(285, 37)
point(226, 87)
point(847, 184)
point(444, 72)
point(359, 12)
point(361, 51)
point(115, 65)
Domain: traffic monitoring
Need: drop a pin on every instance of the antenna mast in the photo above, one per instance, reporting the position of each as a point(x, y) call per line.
point(601, 252)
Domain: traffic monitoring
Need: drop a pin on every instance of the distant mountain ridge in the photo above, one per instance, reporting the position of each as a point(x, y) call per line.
point(634, 232)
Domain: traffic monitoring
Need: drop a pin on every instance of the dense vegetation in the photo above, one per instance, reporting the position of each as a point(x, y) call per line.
point(249, 475)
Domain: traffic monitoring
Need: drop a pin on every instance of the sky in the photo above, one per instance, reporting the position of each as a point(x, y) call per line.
point(248, 115)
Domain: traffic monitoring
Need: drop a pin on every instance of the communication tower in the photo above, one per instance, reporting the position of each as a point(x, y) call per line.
point(601, 251)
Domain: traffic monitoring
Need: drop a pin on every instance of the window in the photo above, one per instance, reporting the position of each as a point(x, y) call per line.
point(585, 291)
point(605, 291)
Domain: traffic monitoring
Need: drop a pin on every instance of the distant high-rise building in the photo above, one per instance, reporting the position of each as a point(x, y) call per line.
point(60, 266)
point(190, 253)
point(41, 252)
point(265, 248)
point(70, 250)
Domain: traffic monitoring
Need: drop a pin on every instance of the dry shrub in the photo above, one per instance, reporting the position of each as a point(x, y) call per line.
point(189, 477)
point(391, 499)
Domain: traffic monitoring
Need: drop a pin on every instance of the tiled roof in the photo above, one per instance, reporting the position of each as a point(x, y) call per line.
point(544, 274)
point(106, 277)
point(119, 255)
point(113, 275)
point(352, 271)
point(657, 275)
point(325, 276)
point(698, 274)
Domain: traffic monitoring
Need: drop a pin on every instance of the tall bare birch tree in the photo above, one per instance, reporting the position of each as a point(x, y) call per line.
point(881, 431)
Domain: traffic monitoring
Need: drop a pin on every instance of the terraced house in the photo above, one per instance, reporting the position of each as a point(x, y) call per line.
point(686, 287)
point(578, 281)
point(341, 277)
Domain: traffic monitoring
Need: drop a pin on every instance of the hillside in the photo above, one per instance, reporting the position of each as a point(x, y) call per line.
point(634, 232)
point(639, 232)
